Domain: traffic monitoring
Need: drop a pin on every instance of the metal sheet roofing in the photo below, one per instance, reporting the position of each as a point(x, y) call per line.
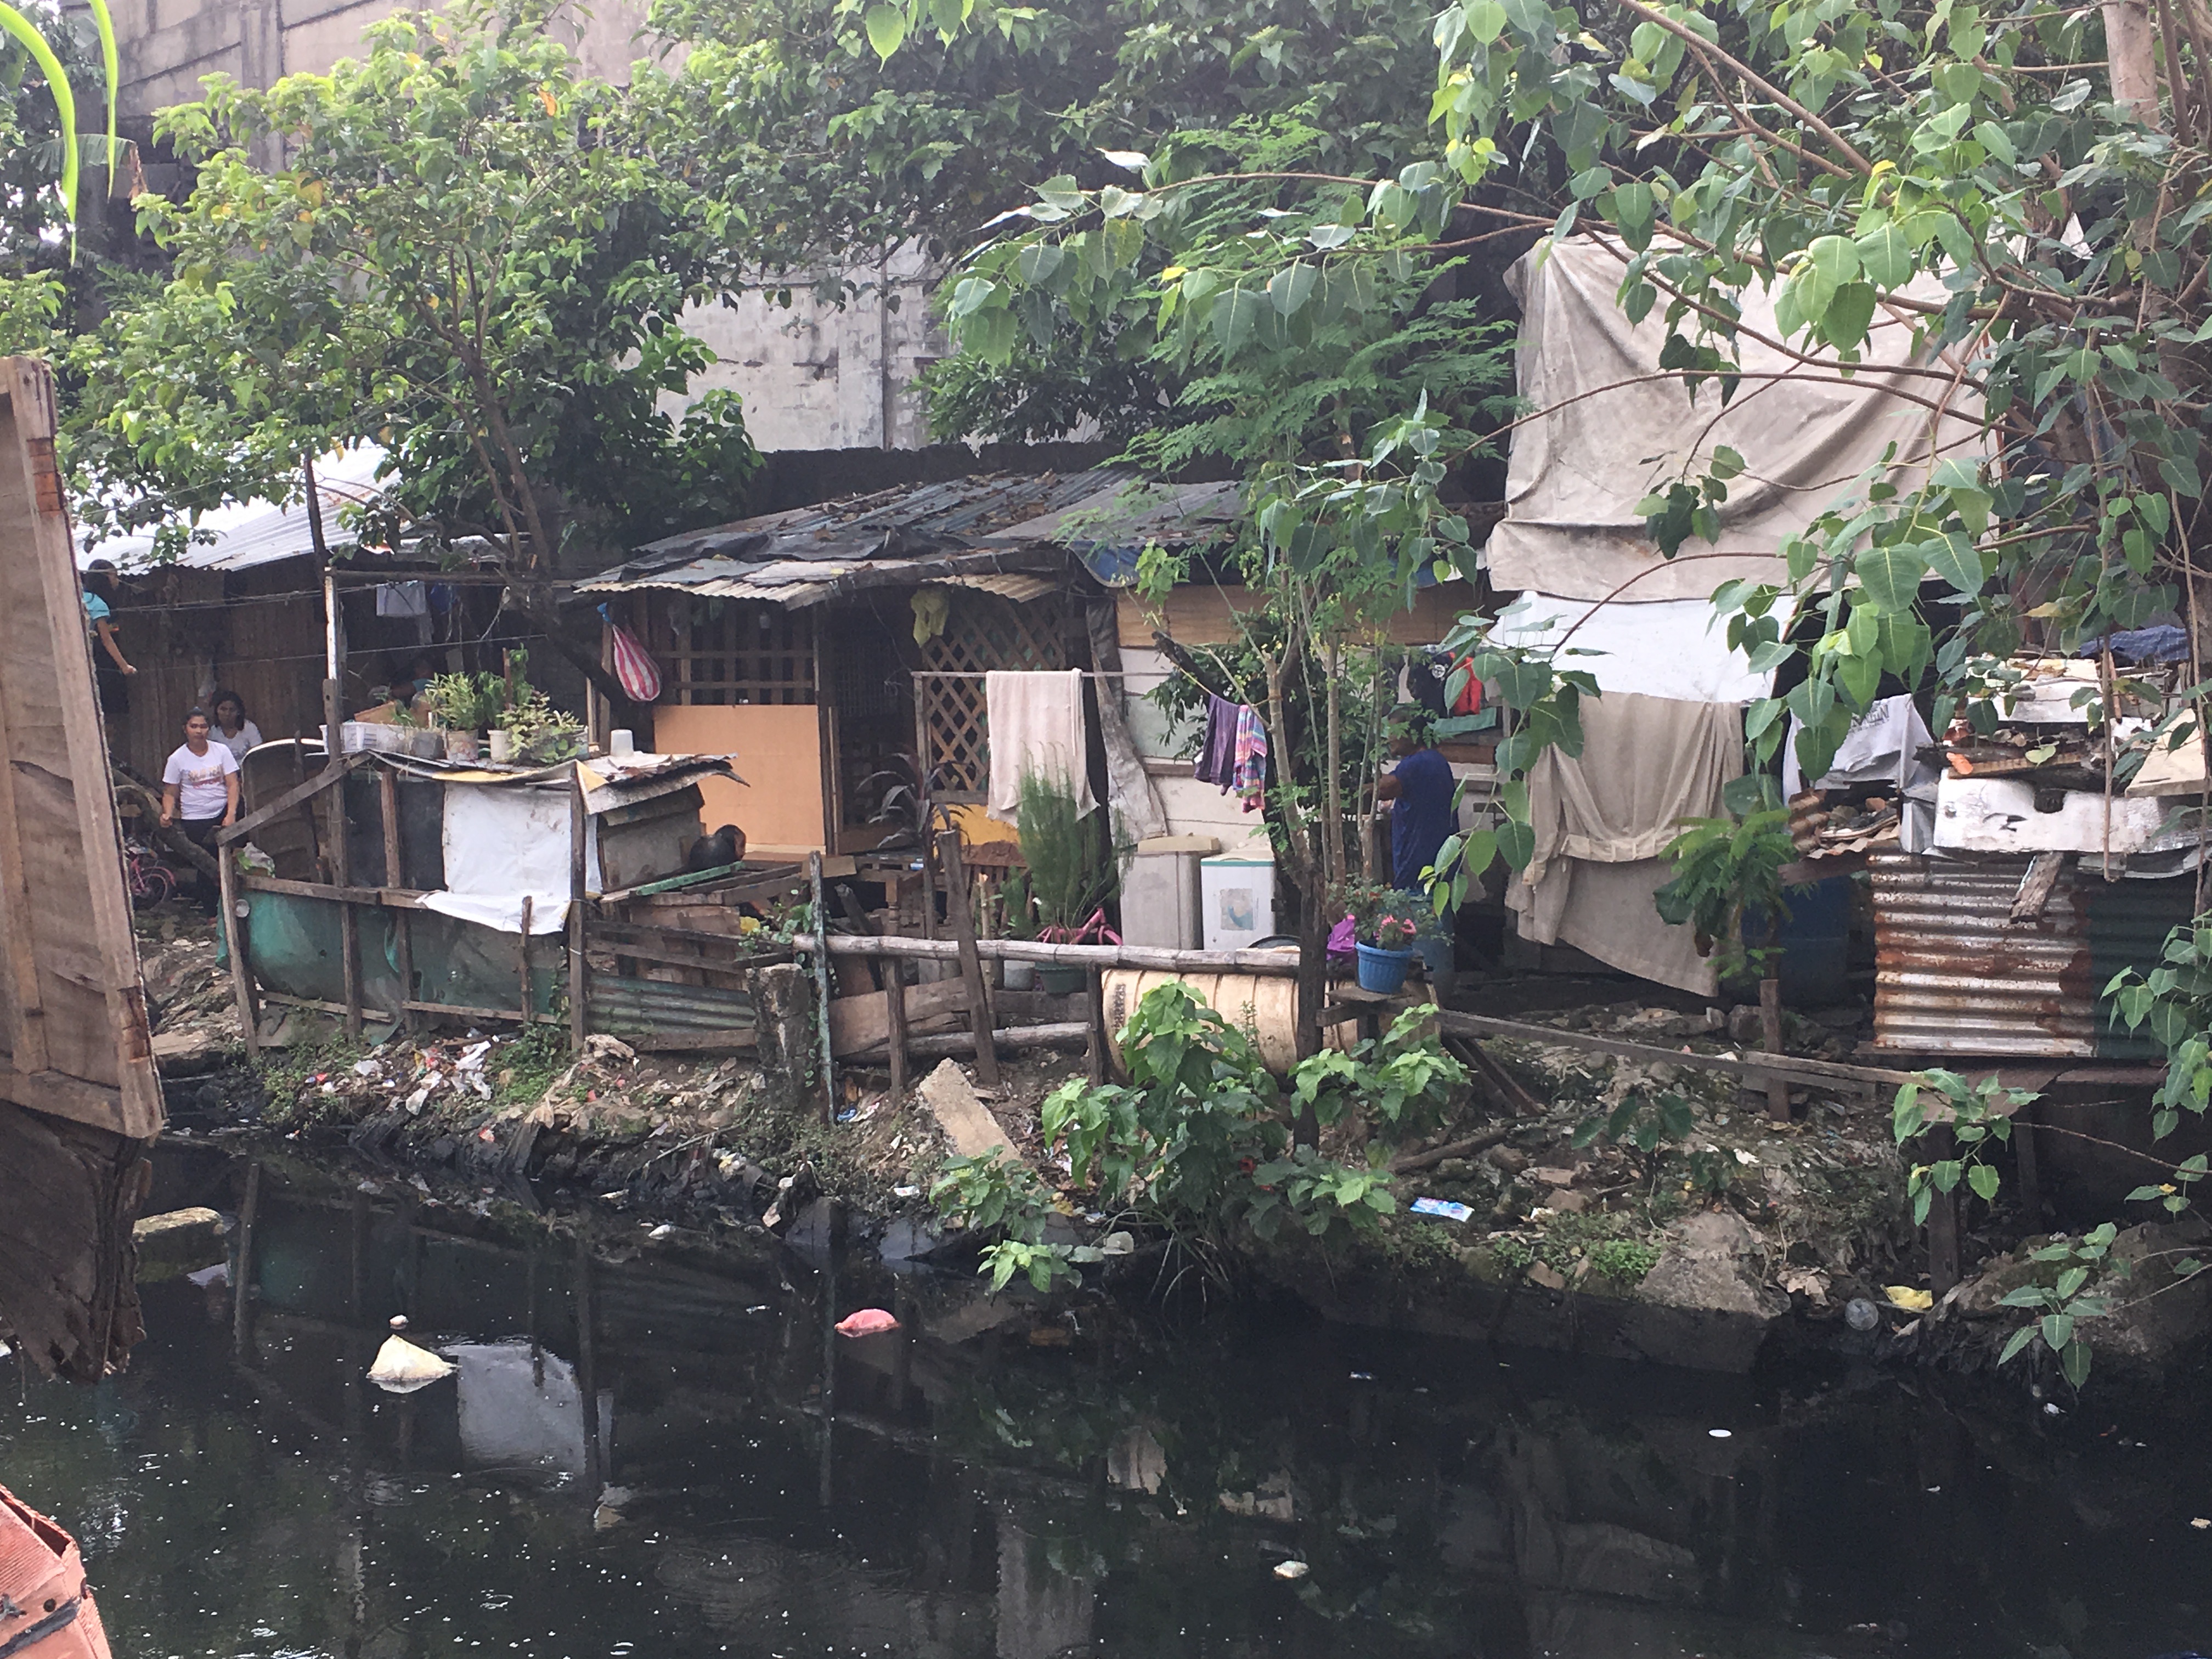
point(995, 528)
point(261, 533)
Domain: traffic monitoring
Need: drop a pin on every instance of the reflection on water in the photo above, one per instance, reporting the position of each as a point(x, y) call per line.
point(637, 1458)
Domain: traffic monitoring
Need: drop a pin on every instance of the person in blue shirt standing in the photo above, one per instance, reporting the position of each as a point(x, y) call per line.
point(1420, 790)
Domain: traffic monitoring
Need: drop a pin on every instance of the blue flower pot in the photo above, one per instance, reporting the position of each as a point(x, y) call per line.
point(1382, 971)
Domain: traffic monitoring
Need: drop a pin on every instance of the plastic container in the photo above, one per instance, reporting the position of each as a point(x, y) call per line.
point(1160, 901)
point(1237, 901)
point(1383, 971)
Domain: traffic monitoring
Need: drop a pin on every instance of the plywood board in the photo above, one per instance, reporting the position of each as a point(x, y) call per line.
point(861, 1023)
point(776, 748)
point(72, 1012)
point(1202, 614)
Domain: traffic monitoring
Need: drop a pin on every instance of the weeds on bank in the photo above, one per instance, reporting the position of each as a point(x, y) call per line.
point(1198, 1142)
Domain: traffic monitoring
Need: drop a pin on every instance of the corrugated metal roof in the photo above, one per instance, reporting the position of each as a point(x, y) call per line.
point(1126, 514)
point(1020, 589)
point(969, 528)
point(261, 533)
point(1953, 975)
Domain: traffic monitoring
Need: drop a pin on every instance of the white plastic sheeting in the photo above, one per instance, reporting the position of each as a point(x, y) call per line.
point(1677, 648)
point(503, 842)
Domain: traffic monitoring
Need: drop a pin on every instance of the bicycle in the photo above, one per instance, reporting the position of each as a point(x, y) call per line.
point(151, 882)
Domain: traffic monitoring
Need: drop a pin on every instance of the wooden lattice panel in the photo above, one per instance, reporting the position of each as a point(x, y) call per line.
point(731, 651)
point(983, 632)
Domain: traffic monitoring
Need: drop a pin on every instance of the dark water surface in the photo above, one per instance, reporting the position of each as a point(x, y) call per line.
point(960, 1490)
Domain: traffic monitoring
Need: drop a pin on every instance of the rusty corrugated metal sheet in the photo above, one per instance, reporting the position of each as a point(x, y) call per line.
point(1954, 976)
point(653, 1006)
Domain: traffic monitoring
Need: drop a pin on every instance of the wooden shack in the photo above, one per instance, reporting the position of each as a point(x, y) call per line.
point(79, 1101)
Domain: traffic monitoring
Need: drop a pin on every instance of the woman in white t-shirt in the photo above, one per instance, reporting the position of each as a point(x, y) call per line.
point(199, 790)
point(232, 729)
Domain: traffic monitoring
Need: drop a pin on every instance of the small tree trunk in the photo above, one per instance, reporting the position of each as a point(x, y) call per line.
point(2130, 52)
point(1313, 966)
point(1333, 796)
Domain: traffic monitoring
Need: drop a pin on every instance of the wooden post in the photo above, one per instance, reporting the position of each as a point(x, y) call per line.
point(233, 941)
point(1770, 1034)
point(895, 1019)
point(2031, 1182)
point(522, 954)
point(241, 1291)
point(971, 962)
point(1094, 1013)
point(821, 986)
point(580, 985)
point(403, 925)
point(334, 754)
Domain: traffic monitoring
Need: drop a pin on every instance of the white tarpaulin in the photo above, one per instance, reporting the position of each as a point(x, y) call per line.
point(1677, 648)
point(500, 843)
point(1575, 473)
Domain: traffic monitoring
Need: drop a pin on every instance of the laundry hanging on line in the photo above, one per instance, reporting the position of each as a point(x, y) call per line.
point(1251, 774)
point(1217, 752)
point(1037, 724)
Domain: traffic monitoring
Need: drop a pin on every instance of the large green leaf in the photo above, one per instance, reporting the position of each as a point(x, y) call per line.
point(16, 24)
point(1890, 576)
point(886, 28)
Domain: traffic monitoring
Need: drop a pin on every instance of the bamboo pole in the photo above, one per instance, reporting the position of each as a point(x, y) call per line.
point(1157, 958)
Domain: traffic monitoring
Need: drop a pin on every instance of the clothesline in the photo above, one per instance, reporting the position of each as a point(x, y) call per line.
point(979, 674)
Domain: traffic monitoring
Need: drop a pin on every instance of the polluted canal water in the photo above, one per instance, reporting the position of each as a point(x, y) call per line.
point(645, 1449)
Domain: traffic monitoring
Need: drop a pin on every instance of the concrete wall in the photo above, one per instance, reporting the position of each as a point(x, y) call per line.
point(166, 45)
point(817, 375)
point(814, 375)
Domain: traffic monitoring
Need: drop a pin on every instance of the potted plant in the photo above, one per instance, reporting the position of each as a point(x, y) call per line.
point(464, 704)
point(1071, 873)
point(538, 733)
point(1385, 922)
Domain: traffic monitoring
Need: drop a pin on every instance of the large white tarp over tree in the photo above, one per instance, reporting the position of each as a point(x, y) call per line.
point(1610, 428)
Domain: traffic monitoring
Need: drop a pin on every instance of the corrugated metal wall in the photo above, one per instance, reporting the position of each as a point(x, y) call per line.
point(1953, 975)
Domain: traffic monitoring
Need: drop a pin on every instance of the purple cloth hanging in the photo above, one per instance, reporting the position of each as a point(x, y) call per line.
point(1216, 755)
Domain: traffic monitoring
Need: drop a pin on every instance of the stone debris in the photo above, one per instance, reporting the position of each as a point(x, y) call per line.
point(952, 1101)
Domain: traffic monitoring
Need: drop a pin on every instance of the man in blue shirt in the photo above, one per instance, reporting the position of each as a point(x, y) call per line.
point(1420, 790)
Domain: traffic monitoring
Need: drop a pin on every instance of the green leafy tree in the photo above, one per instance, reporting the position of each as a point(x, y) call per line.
point(474, 254)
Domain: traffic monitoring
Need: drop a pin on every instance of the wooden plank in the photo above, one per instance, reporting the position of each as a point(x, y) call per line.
point(971, 962)
point(64, 918)
point(1770, 1031)
point(403, 927)
point(1821, 1073)
point(1095, 1018)
point(522, 956)
point(672, 884)
point(580, 967)
point(895, 1028)
point(291, 797)
point(233, 940)
point(822, 992)
point(392, 898)
point(865, 1021)
point(320, 1005)
point(1067, 1034)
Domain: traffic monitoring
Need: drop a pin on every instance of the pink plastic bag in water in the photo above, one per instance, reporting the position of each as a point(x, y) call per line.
point(1340, 939)
point(869, 1321)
